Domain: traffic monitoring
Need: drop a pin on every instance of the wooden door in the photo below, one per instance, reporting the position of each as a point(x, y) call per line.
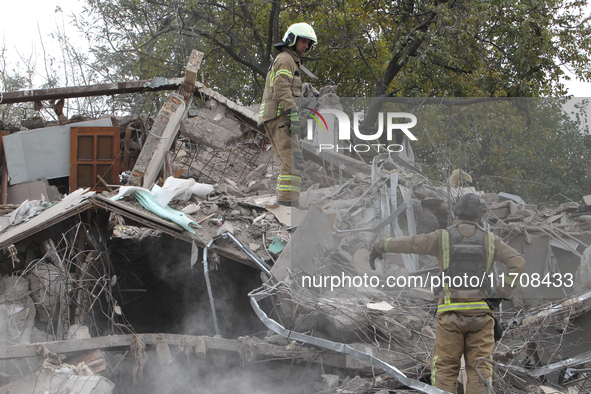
point(94, 153)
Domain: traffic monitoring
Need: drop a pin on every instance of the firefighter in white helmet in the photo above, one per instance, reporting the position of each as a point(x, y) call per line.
point(280, 110)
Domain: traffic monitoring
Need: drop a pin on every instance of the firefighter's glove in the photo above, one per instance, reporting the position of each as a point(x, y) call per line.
point(498, 330)
point(493, 303)
point(376, 251)
point(294, 123)
point(372, 258)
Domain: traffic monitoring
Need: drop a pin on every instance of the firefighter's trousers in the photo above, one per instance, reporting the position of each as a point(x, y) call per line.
point(462, 334)
point(291, 159)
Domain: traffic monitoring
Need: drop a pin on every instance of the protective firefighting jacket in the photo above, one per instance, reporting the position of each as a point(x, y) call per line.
point(438, 244)
point(283, 86)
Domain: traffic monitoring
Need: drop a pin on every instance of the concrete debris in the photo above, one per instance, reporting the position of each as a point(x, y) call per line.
point(583, 273)
point(17, 310)
point(214, 126)
point(226, 228)
point(48, 286)
point(35, 122)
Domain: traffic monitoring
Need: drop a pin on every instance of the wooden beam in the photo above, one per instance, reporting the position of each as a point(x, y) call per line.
point(105, 89)
point(4, 196)
point(155, 151)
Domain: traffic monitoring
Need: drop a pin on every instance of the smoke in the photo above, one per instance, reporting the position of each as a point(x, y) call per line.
point(174, 299)
point(216, 374)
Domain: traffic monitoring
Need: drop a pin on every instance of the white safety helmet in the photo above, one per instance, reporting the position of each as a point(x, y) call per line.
point(296, 31)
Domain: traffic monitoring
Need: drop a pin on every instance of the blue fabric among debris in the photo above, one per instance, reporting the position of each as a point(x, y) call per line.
point(148, 201)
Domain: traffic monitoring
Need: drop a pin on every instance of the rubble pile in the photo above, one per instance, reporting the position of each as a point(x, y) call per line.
point(199, 279)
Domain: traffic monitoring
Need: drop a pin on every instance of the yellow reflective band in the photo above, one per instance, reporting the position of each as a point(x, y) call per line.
point(289, 188)
point(284, 72)
point(445, 248)
point(289, 178)
point(509, 280)
point(272, 75)
point(445, 253)
point(462, 306)
point(386, 243)
point(262, 110)
point(280, 72)
point(491, 251)
point(434, 370)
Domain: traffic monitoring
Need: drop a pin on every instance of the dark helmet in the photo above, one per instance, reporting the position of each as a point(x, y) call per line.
point(470, 207)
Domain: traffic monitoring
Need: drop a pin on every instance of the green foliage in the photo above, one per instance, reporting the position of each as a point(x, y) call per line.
point(419, 48)
point(406, 48)
point(529, 147)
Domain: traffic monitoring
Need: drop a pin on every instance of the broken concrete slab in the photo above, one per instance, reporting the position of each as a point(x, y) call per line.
point(286, 215)
point(17, 310)
point(48, 284)
point(497, 211)
point(215, 133)
point(226, 228)
point(36, 122)
point(311, 239)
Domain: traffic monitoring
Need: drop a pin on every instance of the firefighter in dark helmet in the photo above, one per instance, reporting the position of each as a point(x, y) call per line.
point(465, 320)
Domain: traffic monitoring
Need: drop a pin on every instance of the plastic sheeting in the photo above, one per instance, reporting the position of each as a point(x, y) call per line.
point(180, 189)
point(149, 201)
point(24, 212)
